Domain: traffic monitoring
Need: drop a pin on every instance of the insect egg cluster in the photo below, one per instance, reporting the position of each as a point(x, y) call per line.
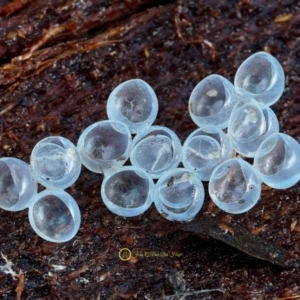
point(234, 121)
point(253, 131)
point(53, 213)
point(209, 153)
point(154, 151)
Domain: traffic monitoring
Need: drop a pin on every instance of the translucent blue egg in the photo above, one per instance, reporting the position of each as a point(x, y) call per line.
point(234, 186)
point(54, 215)
point(128, 192)
point(249, 125)
point(104, 146)
point(133, 103)
point(260, 77)
point(17, 185)
point(179, 194)
point(212, 101)
point(204, 149)
point(277, 161)
point(156, 150)
point(55, 162)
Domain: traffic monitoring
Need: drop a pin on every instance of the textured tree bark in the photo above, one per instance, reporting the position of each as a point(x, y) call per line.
point(59, 62)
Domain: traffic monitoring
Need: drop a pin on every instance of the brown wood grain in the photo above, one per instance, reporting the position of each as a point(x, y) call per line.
point(59, 62)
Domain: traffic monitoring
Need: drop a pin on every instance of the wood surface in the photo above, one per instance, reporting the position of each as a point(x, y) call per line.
point(60, 60)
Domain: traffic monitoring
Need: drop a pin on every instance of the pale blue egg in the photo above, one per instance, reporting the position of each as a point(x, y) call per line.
point(55, 162)
point(249, 125)
point(17, 184)
point(128, 191)
point(260, 77)
point(179, 194)
point(204, 149)
point(156, 150)
point(54, 215)
point(234, 186)
point(277, 161)
point(133, 103)
point(104, 146)
point(212, 101)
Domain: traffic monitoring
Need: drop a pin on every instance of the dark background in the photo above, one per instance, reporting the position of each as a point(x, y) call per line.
point(60, 61)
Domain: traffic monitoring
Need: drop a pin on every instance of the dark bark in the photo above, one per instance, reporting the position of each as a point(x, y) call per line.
point(61, 59)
